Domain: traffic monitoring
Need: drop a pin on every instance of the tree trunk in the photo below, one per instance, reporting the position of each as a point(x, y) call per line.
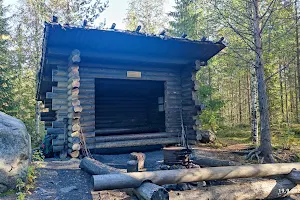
point(298, 53)
point(248, 97)
point(281, 94)
point(265, 137)
point(240, 102)
point(286, 98)
point(296, 97)
point(253, 93)
point(262, 189)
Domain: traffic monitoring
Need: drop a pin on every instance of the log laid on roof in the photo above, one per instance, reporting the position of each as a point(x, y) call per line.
point(261, 189)
point(133, 180)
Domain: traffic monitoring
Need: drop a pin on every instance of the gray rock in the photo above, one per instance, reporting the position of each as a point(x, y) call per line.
point(41, 190)
point(68, 189)
point(15, 151)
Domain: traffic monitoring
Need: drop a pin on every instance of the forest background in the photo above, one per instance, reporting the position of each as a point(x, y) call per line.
point(251, 88)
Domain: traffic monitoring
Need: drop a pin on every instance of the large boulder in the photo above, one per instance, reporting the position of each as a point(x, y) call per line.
point(15, 151)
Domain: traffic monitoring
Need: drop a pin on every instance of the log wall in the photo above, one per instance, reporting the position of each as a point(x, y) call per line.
point(179, 94)
point(189, 96)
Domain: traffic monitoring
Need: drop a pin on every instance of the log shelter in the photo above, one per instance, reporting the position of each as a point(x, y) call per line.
point(115, 89)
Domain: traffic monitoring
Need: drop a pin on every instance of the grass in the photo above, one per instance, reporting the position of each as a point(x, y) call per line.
point(282, 137)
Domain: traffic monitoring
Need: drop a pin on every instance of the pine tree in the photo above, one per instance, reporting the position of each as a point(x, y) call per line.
point(6, 73)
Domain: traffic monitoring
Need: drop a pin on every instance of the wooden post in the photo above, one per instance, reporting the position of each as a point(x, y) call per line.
point(74, 107)
point(132, 166)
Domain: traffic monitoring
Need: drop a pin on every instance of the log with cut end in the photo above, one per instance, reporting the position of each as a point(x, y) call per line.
point(134, 179)
point(74, 84)
point(147, 191)
point(140, 157)
point(150, 191)
point(73, 92)
point(73, 154)
point(73, 115)
point(74, 102)
point(73, 68)
point(72, 80)
point(94, 167)
point(262, 189)
point(294, 176)
point(73, 73)
point(75, 127)
point(74, 139)
point(75, 56)
point(73, 134)
point(132, 166)
point(74, 146)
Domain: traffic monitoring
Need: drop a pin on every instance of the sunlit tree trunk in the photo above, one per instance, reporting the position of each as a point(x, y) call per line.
point(265, 137)
point(253, 94)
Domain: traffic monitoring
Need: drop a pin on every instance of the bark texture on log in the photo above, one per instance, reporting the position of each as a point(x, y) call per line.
point(95, 167)
point(147, 191)
point(263, 189)
point(132, 166)
point(294, 176)
point(135, 179)
point(150, 191)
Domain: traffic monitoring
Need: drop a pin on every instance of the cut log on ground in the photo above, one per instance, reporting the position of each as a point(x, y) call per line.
point(150, 191)
point(132, 166)
point(262, 189)
point(294, 176)
point(210, 162)
point(135, 179)
point(140, 157)
point(147, 191)
point(94, 167)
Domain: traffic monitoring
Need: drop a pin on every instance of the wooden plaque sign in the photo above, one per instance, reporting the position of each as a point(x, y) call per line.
point(134, 74)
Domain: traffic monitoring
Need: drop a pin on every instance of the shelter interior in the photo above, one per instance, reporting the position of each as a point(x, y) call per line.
point(134, 106)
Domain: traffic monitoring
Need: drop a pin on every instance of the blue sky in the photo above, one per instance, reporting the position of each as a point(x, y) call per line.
point(116, 11)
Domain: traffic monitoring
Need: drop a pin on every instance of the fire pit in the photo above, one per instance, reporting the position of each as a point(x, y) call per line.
point(176, 156)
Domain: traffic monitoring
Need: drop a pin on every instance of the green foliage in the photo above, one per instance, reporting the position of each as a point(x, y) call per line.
point(20, 52)
point(147, 13)
point(38, 156)
point(24, 187)
point(210, 117)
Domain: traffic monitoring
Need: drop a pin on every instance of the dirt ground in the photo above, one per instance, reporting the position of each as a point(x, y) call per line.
point(63, 179)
